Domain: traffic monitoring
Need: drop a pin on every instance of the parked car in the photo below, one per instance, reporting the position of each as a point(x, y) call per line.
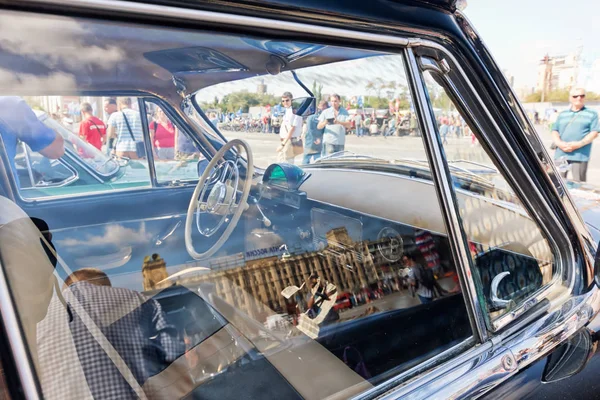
point(218, 242)
point(84, 168)
point(343, 302)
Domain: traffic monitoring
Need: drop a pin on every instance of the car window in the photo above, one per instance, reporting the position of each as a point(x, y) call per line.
point(253, 109)
point(92, 161)
point(504, 240)
point(316, 276)
point(176, 156)
point(36, 171)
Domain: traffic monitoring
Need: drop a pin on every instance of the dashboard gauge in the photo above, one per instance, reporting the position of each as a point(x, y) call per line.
point(392, 248)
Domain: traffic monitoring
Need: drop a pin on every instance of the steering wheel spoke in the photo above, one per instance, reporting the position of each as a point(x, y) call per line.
point(217, 194)
point(202, 206)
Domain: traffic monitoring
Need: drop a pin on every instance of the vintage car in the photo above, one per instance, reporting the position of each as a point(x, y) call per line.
point(214, 272)
point(84, 168)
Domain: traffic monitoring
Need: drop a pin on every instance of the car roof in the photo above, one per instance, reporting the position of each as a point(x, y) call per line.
point(68, 56)
point(342, 5)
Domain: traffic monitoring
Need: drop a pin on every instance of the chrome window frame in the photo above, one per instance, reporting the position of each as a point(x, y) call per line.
point(167, 109)
point(490, 351)
point(74, 175)
point(151, 184)
point(564, 262)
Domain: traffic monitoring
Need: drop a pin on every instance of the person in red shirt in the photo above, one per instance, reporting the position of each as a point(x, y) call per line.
point(162, 135)
point(91, 129)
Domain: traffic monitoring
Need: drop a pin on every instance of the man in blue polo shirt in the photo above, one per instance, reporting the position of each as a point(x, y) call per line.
point(334, 120)
point(19, 123)
point(573, 133)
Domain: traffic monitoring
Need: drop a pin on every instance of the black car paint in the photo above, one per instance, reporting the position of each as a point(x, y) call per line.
point(432, 19)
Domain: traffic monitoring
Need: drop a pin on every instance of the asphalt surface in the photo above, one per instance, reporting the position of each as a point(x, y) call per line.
point(264, 148)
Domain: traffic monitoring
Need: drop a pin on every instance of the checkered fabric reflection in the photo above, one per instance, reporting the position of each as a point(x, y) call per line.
point(74, 365)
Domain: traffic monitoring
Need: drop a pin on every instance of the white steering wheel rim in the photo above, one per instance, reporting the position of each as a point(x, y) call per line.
point(237, 213)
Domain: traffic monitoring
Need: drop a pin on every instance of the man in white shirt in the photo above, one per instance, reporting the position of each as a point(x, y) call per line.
point(290, 132)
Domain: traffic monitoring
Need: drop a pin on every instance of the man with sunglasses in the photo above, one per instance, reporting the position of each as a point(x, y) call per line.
point(573, 133)
point(290, 132)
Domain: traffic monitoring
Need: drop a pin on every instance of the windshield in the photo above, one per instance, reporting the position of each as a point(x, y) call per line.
point(91, 156)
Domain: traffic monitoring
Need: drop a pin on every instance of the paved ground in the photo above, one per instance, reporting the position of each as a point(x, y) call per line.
point(264, 145)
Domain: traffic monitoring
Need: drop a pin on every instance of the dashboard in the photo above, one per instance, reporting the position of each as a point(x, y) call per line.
point(306, 225)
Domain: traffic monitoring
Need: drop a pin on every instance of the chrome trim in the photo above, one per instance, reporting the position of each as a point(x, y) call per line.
point(495, 300)
point(94, 172)
point(464, 350)
point(28, 162)
point(223, 19)
point(559, 185)
point(533, 211)
point(541, 293)
point(443, 180)
point(75, 157)
point(16, 338)
point(74, 175)
point(103, 192)
point(461, 379)
point(429, 64)
point(476, 372)
point(148, 146)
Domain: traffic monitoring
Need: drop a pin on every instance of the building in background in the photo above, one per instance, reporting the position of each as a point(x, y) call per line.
point(261, 88)
point(558, 72)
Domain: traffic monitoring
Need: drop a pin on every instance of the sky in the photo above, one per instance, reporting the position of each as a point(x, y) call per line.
point(520, 32)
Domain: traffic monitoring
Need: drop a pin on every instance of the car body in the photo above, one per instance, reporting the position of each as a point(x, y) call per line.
point(86, 168)
point(248, 258)
point(343, 302)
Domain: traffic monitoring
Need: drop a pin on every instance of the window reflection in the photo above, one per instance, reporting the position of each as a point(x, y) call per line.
point(502, 236)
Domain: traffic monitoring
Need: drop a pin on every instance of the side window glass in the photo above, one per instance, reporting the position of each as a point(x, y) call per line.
point(355, 252)
point(176, 156)
point(101, 151)
point(503, 238)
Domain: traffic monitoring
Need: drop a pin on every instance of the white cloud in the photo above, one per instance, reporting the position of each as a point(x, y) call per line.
point(54, 41)
point(114, 234)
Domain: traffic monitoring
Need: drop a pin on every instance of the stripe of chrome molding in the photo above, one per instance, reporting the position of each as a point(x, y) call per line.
point(221, 18)
point(567, 255)
point(16, 339)
point(442, 178)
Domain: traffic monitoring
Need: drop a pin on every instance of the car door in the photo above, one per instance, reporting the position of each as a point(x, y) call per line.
point(120, 233)
point(461, 349)
point(518, 247)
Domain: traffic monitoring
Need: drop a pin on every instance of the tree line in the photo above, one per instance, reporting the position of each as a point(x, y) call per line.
point(561, 95)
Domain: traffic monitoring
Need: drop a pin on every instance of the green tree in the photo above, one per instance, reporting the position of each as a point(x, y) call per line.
point(535, 97)
point(557, 95)
point(443, 102)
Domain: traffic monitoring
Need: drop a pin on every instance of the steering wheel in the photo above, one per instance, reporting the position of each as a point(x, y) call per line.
point(221, 199)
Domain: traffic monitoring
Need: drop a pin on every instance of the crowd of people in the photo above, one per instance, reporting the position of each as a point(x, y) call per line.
point(324, 132)
point(454, 125)
point(121, 133)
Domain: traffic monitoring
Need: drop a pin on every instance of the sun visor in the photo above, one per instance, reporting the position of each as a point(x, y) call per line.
point(195, 60)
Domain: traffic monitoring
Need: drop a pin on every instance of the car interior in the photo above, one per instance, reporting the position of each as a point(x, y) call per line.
point(218, 248)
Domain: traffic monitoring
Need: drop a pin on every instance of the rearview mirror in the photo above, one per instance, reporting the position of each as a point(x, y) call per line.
point(304, 106)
